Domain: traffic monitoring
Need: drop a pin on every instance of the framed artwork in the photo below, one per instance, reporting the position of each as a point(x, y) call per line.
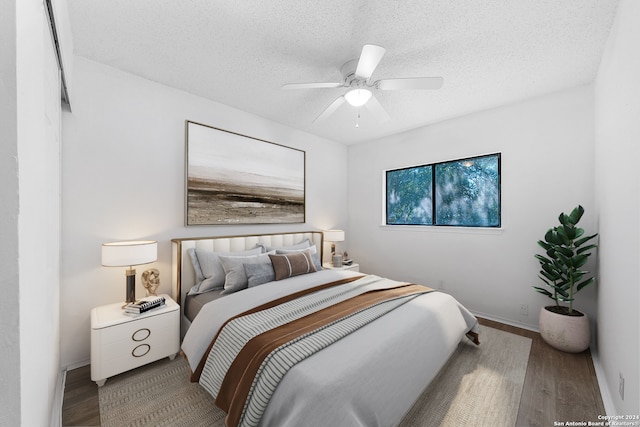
point(236, 179)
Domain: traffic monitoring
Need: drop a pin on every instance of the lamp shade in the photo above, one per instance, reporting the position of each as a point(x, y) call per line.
point(135, 252)
point(334, 235)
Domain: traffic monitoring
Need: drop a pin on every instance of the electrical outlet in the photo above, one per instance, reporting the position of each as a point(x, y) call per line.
point(524, 310)
point(621, 386)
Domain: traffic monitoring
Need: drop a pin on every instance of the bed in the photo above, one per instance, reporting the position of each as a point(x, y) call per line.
point(347, 349)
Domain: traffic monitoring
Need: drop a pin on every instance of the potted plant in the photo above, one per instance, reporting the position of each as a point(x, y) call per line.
point(566, 252)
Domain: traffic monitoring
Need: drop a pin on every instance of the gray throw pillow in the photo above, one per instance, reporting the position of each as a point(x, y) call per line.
point(235, 276)
point(259, 274)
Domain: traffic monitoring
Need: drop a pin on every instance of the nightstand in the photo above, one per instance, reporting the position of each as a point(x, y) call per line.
point(120, 342)
point(352, 267)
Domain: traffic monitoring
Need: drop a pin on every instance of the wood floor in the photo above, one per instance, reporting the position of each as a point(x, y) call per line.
point(558, 387)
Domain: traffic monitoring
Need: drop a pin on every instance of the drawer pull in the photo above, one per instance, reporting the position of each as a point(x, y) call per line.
point(141, 334)
point(141, 350)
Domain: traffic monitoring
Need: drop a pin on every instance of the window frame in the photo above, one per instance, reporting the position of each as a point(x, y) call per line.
point(385, 178)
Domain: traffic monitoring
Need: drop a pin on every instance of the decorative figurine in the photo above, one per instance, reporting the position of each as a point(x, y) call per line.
point(151, 281)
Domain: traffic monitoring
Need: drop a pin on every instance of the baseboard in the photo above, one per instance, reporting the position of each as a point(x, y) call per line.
point(58, 400)
point(505, 321)
point(76, 365)
point(605, 393)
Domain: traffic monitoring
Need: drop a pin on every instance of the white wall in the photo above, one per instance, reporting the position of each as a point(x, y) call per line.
point(547, 167)
point(9, 272)
point(39, 111)
point(123, 179)
point(29, 225)
point(617, 145)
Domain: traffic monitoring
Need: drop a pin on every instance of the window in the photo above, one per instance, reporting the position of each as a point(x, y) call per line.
point(463, 193)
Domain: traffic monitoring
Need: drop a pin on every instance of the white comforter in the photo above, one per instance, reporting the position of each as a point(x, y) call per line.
point(361, 380)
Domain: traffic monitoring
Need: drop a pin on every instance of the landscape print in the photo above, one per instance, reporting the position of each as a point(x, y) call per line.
point(235, 179)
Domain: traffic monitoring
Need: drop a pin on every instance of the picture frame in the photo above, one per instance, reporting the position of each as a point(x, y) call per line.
point(234, 179)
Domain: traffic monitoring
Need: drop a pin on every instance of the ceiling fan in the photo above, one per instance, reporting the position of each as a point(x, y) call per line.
point(356, 75)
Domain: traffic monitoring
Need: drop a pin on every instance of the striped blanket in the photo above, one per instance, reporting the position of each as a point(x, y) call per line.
point(254, 351)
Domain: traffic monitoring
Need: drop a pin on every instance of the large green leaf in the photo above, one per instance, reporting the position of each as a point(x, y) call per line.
point(563, 237)
point(565, 251)
point(548, 283)
point(569, 231)
point(565, 260)
point(544, 292)
point(546, 246)
point(577, 275)
point(580, 242)
point(550, 268)
point(542, 259)
point(562, 218)
point(551, 236)
point(586, 248)
point(551, 276)
point(576, 214)
point(585, 283)
point(548, 265)
point(579, 260)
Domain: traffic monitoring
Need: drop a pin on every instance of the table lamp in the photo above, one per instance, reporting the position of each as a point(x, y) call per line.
point(334, 236)
point(128, 254)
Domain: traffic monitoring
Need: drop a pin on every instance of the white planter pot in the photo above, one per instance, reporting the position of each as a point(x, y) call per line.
point(566, 333)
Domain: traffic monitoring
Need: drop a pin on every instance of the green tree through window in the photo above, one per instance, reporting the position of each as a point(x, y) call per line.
point(409, 196)
point(467, 193)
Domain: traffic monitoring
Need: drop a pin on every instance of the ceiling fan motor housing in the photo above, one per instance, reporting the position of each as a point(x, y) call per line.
point(348, 71)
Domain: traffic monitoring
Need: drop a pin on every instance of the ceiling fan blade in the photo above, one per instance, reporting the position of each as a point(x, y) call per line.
point(369, 59)
point(311, 85)
point(330, 109)
point(374, 106)
point(410, 83)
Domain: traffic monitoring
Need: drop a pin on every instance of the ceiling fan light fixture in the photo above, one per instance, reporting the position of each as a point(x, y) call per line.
point(357, 97)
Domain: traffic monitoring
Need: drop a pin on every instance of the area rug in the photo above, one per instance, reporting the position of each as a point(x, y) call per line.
point(479, 386)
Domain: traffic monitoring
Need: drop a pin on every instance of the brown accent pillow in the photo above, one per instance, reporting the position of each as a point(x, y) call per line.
point(293, 264)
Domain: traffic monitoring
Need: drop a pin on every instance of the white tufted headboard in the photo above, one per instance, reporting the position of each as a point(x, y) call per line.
point(183, 276)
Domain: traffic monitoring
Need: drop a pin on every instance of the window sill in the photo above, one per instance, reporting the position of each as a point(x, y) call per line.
point(444, 229)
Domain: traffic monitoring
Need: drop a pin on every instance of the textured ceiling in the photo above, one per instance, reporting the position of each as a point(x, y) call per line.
point(239, 53)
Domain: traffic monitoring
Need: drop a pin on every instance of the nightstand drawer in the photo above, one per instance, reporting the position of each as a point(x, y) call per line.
point(142, 341)
point(142, 329)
